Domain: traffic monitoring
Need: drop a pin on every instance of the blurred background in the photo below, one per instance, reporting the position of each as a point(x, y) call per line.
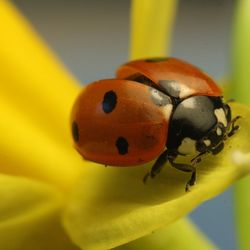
point(92, 38)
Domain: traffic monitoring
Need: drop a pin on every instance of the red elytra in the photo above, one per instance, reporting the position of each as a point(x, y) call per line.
point(134, 117)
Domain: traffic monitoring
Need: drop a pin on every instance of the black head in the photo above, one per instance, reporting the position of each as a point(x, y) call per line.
point(198, 124)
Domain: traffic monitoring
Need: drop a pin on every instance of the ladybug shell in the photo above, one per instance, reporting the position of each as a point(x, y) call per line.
point(120, 122)
point(173, 76)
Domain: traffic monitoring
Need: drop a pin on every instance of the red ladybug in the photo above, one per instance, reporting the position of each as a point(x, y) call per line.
point(156, 108)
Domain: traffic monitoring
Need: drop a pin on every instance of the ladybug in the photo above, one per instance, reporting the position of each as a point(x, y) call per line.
point(155, 109)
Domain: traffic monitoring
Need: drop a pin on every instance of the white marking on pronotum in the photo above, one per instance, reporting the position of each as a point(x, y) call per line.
point(187, 147)
point(221, 116)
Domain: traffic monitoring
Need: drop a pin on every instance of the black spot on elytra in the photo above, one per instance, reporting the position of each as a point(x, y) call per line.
point(122, 145)
point(109, 101)
point(157, 59)
point(75, 132)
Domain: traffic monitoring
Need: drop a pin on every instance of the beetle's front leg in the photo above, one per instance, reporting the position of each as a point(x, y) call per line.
point(232, 127)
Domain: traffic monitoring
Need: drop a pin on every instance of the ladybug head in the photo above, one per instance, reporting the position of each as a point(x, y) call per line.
point(199, 124)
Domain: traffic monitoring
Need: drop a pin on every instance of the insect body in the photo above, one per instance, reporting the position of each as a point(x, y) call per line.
point(154, 109)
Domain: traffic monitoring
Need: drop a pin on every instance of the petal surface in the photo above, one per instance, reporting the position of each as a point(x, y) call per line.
point(177, 236)
point(29, 216)
point(36, 96)
point(28, 150)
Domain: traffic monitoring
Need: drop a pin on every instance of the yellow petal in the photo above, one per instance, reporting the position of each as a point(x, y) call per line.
point(32, 78)
point(181, 235)
point(118, 208)
point(242, 202)
point(241, 159)
point(28, 150)
point(36, 95)
point(151, 25)
point(29, 216)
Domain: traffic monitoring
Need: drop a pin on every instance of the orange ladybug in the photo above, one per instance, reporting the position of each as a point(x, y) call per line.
point(157, 108)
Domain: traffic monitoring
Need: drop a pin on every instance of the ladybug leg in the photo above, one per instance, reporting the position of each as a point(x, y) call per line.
point(231, 122)
point(186, 168)
point(217, 149)
point(158, 165)
point(231, 125)
point(191, 181)
point(228, 112)
point(198, 158)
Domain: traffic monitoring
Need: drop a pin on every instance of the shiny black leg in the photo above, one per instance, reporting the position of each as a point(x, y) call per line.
point(228, 112)
point(218, 149)
point(186, 168)
point(158, 165)
point(198, 158)
point(233, 127)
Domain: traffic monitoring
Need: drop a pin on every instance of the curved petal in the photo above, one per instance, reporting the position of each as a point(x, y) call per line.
point(151, 26)
point(174, 237)
point(29, 151)
point(118, 208)
point(242, 202)
point(36, 95)
point(29, 216)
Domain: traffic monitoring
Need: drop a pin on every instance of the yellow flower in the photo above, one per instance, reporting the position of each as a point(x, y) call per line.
point(51, 198)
